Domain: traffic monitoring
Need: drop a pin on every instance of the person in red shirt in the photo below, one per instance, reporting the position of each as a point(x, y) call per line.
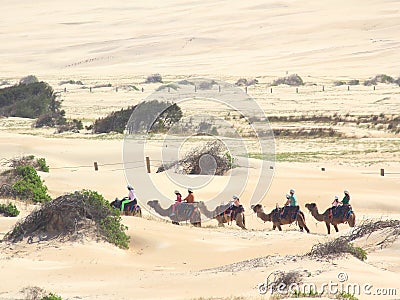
point(177, 202)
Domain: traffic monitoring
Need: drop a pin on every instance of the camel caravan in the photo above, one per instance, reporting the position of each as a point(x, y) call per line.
point(187, 209)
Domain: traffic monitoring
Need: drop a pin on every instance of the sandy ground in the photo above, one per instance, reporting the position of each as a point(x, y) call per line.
point(121, 42)
point(169, 260)
point(204, 37)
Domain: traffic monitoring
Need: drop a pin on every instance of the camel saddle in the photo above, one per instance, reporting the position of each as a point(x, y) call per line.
point(280, 213)
point(186, 209)
point(341, 211)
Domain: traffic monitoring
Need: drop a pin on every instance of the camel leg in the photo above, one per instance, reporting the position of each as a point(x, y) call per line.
point(175, 222)
point(279, 227)
point(274, 227)
point(302, 223)
point(328, 226)
point(220, 221)
point(336, 228)
point(240, 221)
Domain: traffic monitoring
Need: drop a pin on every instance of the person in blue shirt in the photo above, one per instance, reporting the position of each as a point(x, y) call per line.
point(292, 200)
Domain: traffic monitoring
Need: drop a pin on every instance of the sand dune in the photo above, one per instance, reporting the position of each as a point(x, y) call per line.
point(121, 42)
point(168, 260)
point(309, 37)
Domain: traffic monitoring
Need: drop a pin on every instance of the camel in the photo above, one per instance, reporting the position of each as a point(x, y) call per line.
point(327, 217)
point(275, 217)
point(222, 214)
point(128, 211)
point(183, 212)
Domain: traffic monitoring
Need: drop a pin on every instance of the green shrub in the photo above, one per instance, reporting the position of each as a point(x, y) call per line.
point(163, 114)
point(29, 186)
point(29, 100)
point(9, 210)
point(83, 212)
point(345, 296)
point(109, 220)
point(358, 252)
point(51, 296)
point(42, 165)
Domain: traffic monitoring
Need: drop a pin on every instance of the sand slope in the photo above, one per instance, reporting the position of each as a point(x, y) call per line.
point(120, 37)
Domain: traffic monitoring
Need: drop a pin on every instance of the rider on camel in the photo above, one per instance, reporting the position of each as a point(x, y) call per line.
point(177, 202)
point(131, 196)
point(190, 197)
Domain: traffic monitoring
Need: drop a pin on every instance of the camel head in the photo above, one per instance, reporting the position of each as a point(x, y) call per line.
point(311, 206)
point(152, 203)
point(201, 204)
point(257, 208)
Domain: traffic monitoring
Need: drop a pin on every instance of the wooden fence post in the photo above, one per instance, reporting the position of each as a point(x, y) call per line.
point(382, 172)
point(96, 167)
point(148, 164)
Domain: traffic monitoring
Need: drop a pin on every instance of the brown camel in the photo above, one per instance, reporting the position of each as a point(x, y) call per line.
point(183, 212)
point(329, 219)
point(275, 217)
point(222, 214)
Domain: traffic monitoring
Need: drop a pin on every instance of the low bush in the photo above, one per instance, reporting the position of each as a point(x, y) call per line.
point(9, 210)
point(293, 80)
point(39, 164)
point(152, 116)
point(84, 212)
point(340, 245)
point(77, 82)
point(154, 78)
point(51, 296)
point(28, 185)
point(245, 82)
point(381, 78)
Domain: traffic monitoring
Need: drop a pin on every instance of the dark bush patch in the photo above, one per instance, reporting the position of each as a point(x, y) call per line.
point(245, 82)
point(381, 78)
point(29, 100)
point(190, 164)
point(293, 80)
point(77, 82)
point(153, 78)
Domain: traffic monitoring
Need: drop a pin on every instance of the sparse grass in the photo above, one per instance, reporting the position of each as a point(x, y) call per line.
point(310, 294)
point(222, 298)
point(345, 296)
point(338, 246)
